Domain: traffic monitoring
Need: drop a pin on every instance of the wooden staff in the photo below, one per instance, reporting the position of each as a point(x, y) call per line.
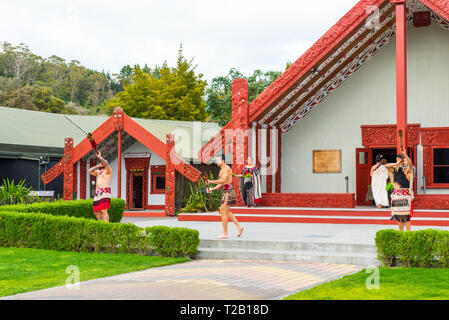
point(400, 133)
point(206, 180)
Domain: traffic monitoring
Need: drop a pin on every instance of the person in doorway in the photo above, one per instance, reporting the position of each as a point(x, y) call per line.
point(252, 190)
point(401, 199)
point(379, 176)
point(228, 197)
point(102, 199)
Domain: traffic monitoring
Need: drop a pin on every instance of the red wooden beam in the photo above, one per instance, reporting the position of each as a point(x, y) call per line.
point(401, 71)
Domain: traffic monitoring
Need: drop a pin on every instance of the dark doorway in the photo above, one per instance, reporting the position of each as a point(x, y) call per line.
point(388, 154)
point(137, 190)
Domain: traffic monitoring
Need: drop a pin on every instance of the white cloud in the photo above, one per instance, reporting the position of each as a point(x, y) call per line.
point(106, 35)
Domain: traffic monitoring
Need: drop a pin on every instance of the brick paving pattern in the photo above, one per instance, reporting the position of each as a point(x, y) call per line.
point(203, 280)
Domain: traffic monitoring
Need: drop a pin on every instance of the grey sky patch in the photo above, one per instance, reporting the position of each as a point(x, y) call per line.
point(105, 35)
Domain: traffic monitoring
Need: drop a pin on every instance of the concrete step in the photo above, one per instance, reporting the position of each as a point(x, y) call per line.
point(316, 218)
point(344, 253)
point(366, 259)
point(295, 246)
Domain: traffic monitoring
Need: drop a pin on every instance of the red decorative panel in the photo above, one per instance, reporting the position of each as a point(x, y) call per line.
point(431, 201)
point(54, 172)
point(312, 200)
point(385, 135)
point(421, 19)
point(68, 169)
point(83, 165)
point(439, 6)
point(434, 136)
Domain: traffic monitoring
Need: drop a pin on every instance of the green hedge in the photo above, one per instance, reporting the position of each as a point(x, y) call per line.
point(43, 231)
point(423, 248)
point(75, 208)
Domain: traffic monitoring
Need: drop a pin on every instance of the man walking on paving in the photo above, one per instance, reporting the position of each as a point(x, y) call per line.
point(228, 198)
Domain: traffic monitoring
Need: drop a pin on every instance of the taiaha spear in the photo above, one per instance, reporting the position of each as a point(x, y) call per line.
point(89, 135)
point(400, 139)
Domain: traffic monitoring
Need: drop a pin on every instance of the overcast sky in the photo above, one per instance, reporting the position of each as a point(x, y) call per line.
point(106, 35)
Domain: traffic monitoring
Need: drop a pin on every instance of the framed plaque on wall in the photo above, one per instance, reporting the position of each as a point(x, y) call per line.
point(326, 161)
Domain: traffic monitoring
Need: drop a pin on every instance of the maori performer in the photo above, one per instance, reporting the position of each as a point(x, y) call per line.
point(251, 188)
point(103, 174)
point(225, 182)
point(379, 176)
point(402, 173)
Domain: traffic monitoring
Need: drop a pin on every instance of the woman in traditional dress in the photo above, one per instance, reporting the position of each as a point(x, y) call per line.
point(251, 190)
point(379, 176)
point(402, 173)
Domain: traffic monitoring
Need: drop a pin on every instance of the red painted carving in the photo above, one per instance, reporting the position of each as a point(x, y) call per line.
point(83, 166)
point(439, 6)
point(238, 136)
point(170, 177)
point(304, 64)
point(312, 200)
point(434, 136)
point(68, 169)
point(431, 201)
point(421, 19)
point(54, 172)
point(385, 135)
point(119, 118)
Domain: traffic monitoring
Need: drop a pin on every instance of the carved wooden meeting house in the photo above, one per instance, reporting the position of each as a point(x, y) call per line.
point(381, 68)
point(316, 130)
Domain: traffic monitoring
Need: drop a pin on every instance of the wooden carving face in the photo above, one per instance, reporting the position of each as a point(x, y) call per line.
point(118, 116)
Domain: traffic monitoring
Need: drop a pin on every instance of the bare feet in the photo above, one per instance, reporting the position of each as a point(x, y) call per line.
point(222, 237)
point(240, 232)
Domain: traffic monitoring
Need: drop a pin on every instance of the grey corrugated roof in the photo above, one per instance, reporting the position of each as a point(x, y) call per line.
point(26, 128)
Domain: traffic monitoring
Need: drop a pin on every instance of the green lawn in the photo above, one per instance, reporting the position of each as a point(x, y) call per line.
point(23, 269)
point(394, 284)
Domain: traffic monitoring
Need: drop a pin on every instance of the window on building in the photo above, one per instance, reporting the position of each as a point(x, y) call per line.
point(157, 179)
point(441, 165)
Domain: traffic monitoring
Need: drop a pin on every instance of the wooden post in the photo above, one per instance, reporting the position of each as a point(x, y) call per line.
point(278, 160)
point(269, 164)
point(119, 165)
point(83, 165)
point(401, 71)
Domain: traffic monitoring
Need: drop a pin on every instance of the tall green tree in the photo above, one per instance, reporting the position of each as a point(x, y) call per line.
point(164, 93)
point(219, 94)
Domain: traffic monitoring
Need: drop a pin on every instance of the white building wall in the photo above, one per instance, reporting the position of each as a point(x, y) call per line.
point(153, 199)
point(369, 98)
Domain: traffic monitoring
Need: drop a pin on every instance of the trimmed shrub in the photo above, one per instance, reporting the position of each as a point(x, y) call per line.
point(63, 233)
point(423, 248)
point(174, 242)
point(74, 208)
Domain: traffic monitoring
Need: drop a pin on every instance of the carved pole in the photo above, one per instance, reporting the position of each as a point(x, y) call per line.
point(68, 169)
point(170, 177)
point(401, 72)
point(240, 126)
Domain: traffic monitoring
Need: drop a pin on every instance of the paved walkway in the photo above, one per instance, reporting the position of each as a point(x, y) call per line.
point(202, 280)
point(296, 232)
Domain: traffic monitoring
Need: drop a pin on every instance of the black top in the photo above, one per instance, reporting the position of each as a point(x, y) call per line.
point(401, 178)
